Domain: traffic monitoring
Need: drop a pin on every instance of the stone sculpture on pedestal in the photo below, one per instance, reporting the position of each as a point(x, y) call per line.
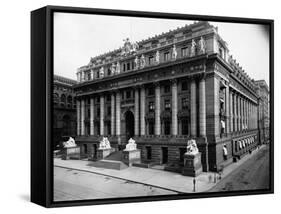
point(104, 148)
point(193, 48)
point(131, 154)
point(70, 150)
point(192, 160)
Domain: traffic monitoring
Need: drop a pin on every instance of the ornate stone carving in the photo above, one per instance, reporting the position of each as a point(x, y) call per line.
point(70, 143)
point(128, 47)
point(131, 145)
point(193, 48)
point(104, 143)
point(174, 52)
point(191, 148)
point(142, 61)
point(201, 46)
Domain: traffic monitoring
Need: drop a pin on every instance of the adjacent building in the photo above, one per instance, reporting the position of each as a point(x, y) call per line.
point(64, 109)
point(263, 110)
point(164, 90)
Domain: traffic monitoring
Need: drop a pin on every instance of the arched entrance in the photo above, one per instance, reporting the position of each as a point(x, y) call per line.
point(129, 124)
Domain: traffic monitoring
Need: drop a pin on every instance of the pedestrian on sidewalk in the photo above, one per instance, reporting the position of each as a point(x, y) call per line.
point(224, 152)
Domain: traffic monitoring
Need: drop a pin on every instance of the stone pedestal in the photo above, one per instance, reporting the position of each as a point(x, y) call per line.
point(130, 157)
point(192, 164)
point(102, 153)
point(71, 153)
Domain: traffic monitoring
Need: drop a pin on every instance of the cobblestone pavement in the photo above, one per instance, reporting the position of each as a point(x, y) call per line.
point(252, 175)
point(78, 185)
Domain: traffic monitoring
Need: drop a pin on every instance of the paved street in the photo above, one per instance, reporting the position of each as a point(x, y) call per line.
point(253, 174)
point(77, 179)
point(78, 185)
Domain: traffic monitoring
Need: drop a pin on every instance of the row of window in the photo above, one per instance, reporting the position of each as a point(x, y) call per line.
point(63, 100)
point(167, 104)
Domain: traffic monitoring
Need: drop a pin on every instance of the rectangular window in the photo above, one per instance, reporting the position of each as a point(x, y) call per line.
point(128, 94)
point(124, 67)
point(108, 110)
point(98, 74)
point(98, 112)
point(151, 106)
point(184, 103)
point(150, 91)
point(184, 52)
point(128, 66)
point(184, 86)
point(108, 72)
point(167, 127)
point(166, 56)
point(167, 105)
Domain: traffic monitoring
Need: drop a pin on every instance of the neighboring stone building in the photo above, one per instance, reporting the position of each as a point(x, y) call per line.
point(64, 103)
point(263, 111)
point(165, 90)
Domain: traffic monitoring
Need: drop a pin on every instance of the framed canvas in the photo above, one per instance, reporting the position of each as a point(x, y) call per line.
point(132, 106)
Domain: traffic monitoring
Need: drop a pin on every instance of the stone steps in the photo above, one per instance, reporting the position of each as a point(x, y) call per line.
point(109, 164)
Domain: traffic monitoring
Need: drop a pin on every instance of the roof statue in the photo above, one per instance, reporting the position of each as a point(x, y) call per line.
point(201, 46)
point(101, 72)
point(117, 71)
point(104, 143)
point(142, 61)
point(191, 148)
point(70, 143)
point(193, 48)
point(136, 63)
point(128, 47)
point(113, 68)
point(174, 53)
point(131, 145)
point(157, 57)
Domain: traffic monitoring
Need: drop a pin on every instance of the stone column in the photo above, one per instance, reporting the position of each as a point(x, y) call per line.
point(112, 114)
point(118, 112)
point(227, 109)
point(78, 110)
point(230, 112)
point(193, 109)
point(102, 115)
point(157, 109)
point(239, 113)
point(82, 117)
point(235, 111)
point(202, 108)
point(92, 116)
point(136, 112)
point(174, 107)
point(142, 111)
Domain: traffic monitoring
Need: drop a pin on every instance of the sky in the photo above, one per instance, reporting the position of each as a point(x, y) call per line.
point(78, 37)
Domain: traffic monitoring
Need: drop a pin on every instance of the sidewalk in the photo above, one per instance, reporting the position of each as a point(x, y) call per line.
point(157, 178)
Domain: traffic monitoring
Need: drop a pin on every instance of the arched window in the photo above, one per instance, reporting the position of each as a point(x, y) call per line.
point(56, 99)
point(62, 100)
point(69, 101)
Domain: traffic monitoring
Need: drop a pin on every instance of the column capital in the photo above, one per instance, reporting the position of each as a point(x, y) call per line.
point(156, 84)
point(173, 81)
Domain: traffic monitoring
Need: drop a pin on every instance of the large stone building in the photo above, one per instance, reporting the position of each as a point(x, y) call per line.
point(165, 90)
point(263, 110)
point(64, 114)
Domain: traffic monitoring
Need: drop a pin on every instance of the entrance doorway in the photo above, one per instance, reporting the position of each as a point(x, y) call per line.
point(130, 124)
point(164, 155)
point(94, 151)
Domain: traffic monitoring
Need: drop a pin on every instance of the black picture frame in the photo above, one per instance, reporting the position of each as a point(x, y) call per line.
point(41, 104)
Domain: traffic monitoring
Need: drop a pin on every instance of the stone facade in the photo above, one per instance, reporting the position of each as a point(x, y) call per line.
point(64, 106)
point(179, 85)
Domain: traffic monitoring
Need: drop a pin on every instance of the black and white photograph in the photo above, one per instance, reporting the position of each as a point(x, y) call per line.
point(149, 107)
